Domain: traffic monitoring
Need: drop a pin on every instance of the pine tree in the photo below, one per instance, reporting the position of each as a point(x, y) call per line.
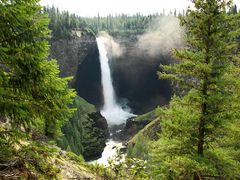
point(196, 140)
point(31, 92)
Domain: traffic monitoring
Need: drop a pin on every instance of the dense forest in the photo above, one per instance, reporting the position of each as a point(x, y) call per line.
point(195, 136)
point(62, 23)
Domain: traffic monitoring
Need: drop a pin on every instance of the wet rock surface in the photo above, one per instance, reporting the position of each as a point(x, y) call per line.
point(124, 132)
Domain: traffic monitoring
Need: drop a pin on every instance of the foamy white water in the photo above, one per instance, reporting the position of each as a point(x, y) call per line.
point(109, 152)
point(112, 111)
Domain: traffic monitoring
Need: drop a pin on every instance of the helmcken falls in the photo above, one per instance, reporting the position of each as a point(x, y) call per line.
point(112, 111)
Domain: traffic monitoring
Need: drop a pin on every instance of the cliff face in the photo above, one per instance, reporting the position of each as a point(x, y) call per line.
point(135, 78)
point(134, 73)
point(88, 79)
point(70, 53)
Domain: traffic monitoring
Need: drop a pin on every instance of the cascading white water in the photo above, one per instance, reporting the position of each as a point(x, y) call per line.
point(111, 110)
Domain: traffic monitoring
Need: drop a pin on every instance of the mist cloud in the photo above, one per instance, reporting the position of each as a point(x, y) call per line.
point(113, 48)
point(163, 34)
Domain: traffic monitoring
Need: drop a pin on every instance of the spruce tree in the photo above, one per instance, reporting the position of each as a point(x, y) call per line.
point(199, 130)
point(32, 95)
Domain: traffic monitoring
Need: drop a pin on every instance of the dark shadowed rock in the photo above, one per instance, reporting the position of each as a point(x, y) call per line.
point(71, 52)
point(133, 127)
point(89, 78)
point(100, 123)
point(124, 132)
point(95, 140)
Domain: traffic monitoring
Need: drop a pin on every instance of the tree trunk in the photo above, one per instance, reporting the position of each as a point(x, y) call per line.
point(201, 131)
point(201, 127)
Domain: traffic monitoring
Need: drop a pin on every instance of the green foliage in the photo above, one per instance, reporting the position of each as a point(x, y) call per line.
point(120, 24)
point(29, 160)
point(38, 159)
point(81, 135)
point(63, 24)
point(175, 155)
point(136, 168)
point(77, 158)
point(200, 130)
point(139, 149)
point(150, 116)
point(30, 90)
point(57, 99)
point(129, 168)
point(116, 164)
point(33, 98)
point(100, 170)
point(21, 58)
point(73, 129)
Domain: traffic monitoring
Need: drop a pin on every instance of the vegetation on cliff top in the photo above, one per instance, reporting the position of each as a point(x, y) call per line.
point(63, 24)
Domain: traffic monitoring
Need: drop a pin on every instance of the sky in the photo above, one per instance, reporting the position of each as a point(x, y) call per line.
point(105, 7)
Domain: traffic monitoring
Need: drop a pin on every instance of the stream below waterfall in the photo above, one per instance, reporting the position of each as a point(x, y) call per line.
point(109, 151)
point(113, 144)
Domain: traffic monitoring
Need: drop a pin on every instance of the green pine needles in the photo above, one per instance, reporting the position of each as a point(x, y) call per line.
point(200, 131)
point(33, 98)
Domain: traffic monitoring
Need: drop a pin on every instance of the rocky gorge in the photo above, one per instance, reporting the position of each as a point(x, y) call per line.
point(138, 87)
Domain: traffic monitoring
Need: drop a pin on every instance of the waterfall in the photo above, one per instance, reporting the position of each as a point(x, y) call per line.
point(112, 111)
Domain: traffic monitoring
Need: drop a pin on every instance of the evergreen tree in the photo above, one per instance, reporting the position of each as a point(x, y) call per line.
point(139, 149)
point(199, 130)
point(32, 95)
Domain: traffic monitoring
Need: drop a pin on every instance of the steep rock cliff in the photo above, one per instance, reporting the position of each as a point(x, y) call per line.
point(71, 52)
point(135, 77)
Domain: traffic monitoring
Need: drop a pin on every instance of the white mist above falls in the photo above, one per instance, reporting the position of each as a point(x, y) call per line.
point(112, 111)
